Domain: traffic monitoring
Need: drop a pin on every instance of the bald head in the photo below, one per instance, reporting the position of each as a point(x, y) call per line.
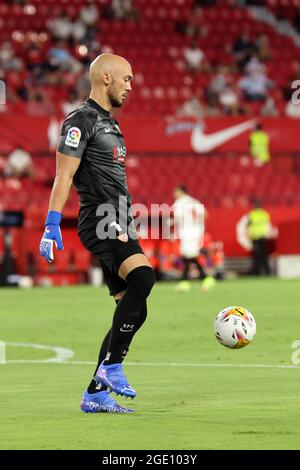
point(110, 77)
point(107, 64)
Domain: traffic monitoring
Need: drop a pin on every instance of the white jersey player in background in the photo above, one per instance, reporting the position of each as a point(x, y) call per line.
point(189, 227)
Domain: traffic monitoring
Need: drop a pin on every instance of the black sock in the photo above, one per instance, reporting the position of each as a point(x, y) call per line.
point(186, 264)
point(202, 274)
point(94, 387)
point(126, 318)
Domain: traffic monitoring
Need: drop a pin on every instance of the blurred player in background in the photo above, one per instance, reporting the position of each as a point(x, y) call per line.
point(91, 154)
point(189, 224)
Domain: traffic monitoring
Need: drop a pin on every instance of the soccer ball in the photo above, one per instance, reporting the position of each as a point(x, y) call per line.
point(235, 327)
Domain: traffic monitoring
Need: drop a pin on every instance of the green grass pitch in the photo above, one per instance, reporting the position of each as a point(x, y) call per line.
point(200, 395)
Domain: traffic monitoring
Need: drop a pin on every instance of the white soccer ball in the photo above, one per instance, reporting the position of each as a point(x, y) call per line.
point(235, 327)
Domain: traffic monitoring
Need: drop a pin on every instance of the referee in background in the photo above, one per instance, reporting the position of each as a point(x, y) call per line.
point(91, 154)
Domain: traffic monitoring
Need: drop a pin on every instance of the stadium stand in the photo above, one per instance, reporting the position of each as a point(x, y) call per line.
point(42, 70)
point(46, 47)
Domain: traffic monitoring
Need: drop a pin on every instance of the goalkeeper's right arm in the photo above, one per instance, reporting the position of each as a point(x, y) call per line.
point(66, 168)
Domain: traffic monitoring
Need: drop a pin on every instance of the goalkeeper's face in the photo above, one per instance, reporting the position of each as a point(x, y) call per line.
point(120, 85)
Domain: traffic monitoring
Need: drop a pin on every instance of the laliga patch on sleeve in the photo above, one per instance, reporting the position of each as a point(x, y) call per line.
point(73, 137)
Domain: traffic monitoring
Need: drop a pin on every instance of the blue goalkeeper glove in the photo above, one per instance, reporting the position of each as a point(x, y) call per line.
point(52, 234)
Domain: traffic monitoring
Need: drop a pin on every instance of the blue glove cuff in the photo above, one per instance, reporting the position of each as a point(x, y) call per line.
point(53, 218)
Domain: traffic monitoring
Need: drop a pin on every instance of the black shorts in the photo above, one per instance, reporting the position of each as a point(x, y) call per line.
point(112, 253)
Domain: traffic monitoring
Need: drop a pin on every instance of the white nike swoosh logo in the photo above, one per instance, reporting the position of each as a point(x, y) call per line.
point(202, 143)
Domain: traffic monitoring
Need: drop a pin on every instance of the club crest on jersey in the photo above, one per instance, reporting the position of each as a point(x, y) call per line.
point(73, 137)
point(119, 153)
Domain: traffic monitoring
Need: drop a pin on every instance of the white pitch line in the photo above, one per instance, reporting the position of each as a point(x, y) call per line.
point(178, 364)
point(49, 361)
point(161, 364)
point(61, 354)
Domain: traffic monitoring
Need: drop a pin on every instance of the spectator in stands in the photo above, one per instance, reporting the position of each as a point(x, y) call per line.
point(89, 17)
point(19, 164)
point(60, 57)
point(263, 49)
point(8, 59)
point(191, 107)
point(79, 30)
point(217, 84)
point(89, 13)
point(255, 86)
point(33, 55)
point(195, 26)
point(259, 146)
point(17, 81)
point(243, 48)
point(229, 101)
point(191, 23)
point(123, 10)
point(194, 58)
point(6, 54)
point(61, 26)
point(254, 65)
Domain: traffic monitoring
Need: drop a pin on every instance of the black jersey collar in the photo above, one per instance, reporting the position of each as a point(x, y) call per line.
point(98, 107)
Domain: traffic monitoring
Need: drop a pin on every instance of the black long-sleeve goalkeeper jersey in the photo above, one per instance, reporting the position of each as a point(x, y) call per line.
point(92, 135)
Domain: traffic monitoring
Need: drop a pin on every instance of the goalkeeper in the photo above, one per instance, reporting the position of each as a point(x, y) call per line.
point(91, 154)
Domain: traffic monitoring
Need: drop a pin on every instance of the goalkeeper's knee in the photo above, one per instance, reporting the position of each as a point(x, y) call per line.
point(141, 280)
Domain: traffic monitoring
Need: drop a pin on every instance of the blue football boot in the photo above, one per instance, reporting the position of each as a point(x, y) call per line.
point(101, 402)
point(114, 378)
